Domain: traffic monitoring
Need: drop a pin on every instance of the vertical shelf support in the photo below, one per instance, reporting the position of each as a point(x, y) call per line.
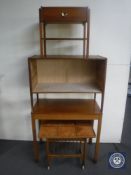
point(41, 36)
point(88, 32)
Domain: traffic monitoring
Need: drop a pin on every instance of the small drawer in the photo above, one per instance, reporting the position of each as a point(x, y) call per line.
point(63, 14)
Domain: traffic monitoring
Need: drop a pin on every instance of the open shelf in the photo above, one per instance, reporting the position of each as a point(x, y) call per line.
point(66, 75)
point(66, 109)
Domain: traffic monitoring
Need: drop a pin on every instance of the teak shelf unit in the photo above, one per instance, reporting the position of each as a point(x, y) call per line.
point(64, 15)
point(67, 74)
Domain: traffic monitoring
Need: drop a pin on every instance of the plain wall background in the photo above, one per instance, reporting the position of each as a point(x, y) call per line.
point(110, 36)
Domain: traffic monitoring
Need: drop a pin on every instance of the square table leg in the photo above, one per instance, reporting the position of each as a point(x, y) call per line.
point(97, 140)
point(35, 144)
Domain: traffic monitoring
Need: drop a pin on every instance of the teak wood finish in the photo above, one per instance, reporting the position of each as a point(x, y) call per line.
point(63, 72)
point(68, 15)
point(66, 75)
point(61, 119)
point(81, 154)
point(66, 129)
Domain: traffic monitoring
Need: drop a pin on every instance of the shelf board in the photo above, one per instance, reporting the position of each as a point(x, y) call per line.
point(68, 57)
point(66, 88)
point(64, 39)
point(66, 109)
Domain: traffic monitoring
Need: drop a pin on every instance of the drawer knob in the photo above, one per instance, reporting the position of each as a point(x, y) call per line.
point(64, 14)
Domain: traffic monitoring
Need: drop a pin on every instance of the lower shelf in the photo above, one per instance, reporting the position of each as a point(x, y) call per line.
point(61, 130)
point(66, 88)
point(66, 109)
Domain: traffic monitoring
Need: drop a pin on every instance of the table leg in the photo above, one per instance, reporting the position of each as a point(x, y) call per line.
point(39, 124)
point(97, 140)
point(48, 153)
point(84, 154)
point(35, 144)
point(85, 150)
point(90, 139)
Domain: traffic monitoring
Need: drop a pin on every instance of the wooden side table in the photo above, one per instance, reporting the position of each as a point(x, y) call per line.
point(66, 131)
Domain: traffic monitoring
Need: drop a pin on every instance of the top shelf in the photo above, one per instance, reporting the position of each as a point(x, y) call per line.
point(68, 57)
point(64, 15)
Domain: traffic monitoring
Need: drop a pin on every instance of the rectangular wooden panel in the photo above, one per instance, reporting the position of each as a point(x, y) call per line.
point(65, 71)
point(66, 88)
point(63, 14)
point(101, 66)
point(63, 109)
point(33, 73)
point(66, 130)
point(84, 130)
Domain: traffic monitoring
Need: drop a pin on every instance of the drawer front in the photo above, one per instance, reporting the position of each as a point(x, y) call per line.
point(63, 14)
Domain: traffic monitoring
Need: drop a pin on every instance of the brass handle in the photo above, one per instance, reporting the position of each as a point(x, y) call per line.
point(64, 14)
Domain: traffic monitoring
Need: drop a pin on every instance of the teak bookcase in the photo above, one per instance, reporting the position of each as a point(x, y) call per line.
point(74, 117)
point(64, 15)
point(66, 119)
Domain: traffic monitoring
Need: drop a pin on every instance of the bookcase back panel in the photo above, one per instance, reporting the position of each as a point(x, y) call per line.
point(65, 71)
